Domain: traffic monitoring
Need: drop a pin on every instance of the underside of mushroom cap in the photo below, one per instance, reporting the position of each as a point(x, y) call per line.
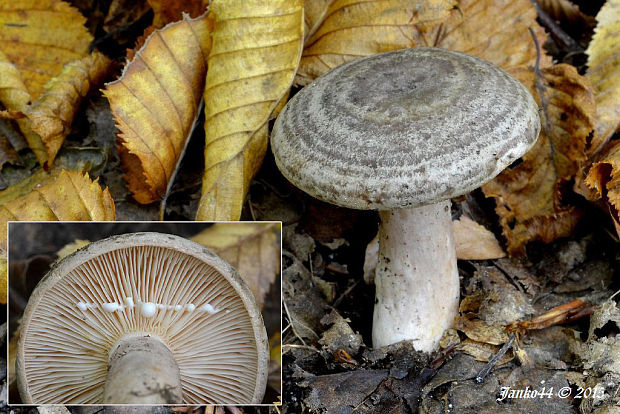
point(404, 129)
point(142, 283)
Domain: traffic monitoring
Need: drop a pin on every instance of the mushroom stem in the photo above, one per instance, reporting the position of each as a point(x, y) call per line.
point(417, 279)
point(142, 370)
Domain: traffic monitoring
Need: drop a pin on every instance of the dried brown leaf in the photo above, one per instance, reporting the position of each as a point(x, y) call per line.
point(7, 152)
point(168, 11)
point(529, 195)
point(52, 114)
point(352, 29)
point(604, 179)
point(155, 104)
point(122, 14)
point(83, 160)
point(71, 196)
point(565, 313)
point(251, 248)
point(480, 331)
point(567, 12)
point(474, 242)
point(495, 30)
point(483, 352)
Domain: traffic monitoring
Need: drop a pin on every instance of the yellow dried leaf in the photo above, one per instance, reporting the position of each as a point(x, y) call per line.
point(474, 242)
point(15, 97)
point(155, 104)
point(604, 71)
point(274, 379)
point(72, 196)
point(251, 248)
point(13, 92)
point(495, 30)
point(529, 195)
point(39, 37)
point(314, 13)
point(168, 11)
point(81, 160)
point(3, 277)
point(604, 179)
point(51, 115)
point(256, 50)
point(480, 331)
point(73, 247)
point(353, 29)
point(12, 368)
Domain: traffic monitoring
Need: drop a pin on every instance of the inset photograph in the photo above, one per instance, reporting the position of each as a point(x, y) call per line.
point(144, 313)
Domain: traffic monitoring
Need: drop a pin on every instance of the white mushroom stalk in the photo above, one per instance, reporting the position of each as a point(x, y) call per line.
point(403, 132)
point(143, 318)
point(417, 278)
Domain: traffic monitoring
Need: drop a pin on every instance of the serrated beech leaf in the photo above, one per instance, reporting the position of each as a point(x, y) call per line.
point(155, 103)
point(73, 196)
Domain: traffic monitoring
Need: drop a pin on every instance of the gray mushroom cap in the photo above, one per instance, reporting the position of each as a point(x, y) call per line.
point(404, 129)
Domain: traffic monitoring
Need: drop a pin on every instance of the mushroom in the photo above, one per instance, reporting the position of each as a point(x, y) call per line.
point(142, 318)
point(402, 132)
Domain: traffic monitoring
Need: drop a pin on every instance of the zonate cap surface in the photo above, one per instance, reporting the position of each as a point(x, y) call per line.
point(403, 129)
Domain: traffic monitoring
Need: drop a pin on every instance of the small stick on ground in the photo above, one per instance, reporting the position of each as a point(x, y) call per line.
point(493, 361)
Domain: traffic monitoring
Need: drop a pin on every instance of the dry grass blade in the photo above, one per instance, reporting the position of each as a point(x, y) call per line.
point(155, 104)
point(256, 50)
point(251, 248)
